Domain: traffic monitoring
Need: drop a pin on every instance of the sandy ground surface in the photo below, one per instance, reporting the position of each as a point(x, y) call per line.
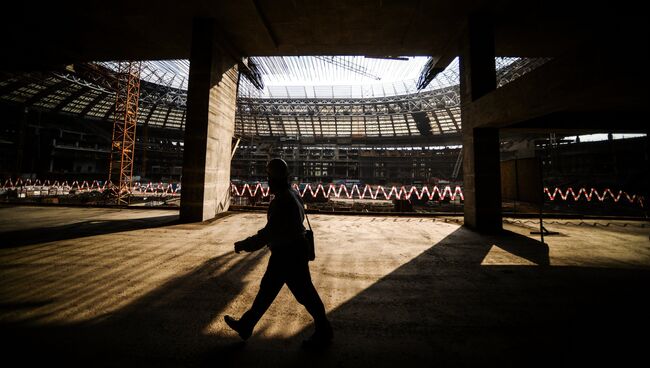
point(104, 287)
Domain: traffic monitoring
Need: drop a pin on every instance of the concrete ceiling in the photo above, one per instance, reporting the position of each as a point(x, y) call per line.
point(74, 31)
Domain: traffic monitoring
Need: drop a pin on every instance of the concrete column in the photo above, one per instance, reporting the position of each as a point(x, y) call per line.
point(209, 127)
point(481, 169)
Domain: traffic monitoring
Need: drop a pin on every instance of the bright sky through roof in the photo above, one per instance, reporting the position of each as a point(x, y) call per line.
point(337, 70)
point(317, 71)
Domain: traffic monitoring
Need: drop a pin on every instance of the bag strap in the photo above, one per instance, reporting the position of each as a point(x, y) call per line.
point(304, 209)
point(307, 217)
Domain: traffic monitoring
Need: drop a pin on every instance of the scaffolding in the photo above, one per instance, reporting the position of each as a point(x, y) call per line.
point(127, 94)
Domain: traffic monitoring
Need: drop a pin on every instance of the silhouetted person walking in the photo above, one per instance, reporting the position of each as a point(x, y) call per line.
point(284, 234)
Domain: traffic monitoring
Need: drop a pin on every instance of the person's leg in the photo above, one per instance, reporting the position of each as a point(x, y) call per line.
point(300, 284)
point(270, 286)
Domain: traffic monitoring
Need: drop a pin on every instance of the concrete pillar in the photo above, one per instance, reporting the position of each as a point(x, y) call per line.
point(209, 127)
point(481, 169)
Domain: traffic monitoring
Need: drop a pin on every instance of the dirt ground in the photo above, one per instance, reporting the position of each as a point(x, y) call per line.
point(109, 287)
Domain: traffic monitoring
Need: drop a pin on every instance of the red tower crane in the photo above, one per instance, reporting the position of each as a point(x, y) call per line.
point(127, 95)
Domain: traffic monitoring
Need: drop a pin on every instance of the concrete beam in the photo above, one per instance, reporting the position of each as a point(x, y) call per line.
point(211, 101)
point(585, 122)
point(444, 58)
point(570, 90)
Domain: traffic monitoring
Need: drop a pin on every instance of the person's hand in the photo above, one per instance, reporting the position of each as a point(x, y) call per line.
point(240, 246)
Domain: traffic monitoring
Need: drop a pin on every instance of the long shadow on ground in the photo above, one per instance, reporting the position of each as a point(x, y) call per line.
point(163, 328)
point(21, 238)
point(443, 308)
point(447, 308)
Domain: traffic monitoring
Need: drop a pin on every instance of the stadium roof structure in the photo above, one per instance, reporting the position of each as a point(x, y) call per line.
point(577, 33)
point(371, 111)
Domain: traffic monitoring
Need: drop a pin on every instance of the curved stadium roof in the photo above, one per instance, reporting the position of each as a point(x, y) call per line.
point(373, 109)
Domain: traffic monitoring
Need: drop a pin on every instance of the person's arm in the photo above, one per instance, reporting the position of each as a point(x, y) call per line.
point(281, 224)
point(263, 236)
point(250, 244)
point(272, 228)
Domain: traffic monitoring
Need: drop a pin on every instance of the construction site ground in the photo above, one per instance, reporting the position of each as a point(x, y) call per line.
point(134, 287)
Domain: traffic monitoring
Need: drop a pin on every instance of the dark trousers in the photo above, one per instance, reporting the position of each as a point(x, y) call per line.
point(291, 269)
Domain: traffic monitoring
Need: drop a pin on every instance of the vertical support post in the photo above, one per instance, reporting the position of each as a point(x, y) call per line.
point(209, 127)
point(20, 143)
point(541, 201)
point(481, 167)
point(145, 147)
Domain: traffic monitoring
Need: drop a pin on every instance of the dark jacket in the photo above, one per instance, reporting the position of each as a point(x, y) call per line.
point(284, 228)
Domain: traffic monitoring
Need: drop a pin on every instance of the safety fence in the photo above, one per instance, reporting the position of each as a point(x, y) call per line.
point(588, 195)
point(44, 188)
point(36, 188)
point(368, 192)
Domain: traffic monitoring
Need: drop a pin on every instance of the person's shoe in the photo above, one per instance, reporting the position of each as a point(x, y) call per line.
point(239, 327)
point(322, 337)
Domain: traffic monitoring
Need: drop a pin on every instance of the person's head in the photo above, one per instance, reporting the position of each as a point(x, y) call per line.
point(278, 172)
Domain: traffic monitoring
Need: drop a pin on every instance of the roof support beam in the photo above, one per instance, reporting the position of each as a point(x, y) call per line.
point(268, 123)
point(408, 126)
point(169, 110)
point(298, 127)
point(257, 130)
point(183, 119)
point(453, 120)
point(313, 126)
point(151, 111)
point(365, 123)
point(392, 122)
point(109, 113)
point(435, 117)
point(284, 129)
point(378, 125)
point(320, 124)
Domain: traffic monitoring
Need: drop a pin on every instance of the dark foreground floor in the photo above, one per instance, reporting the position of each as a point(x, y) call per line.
point(98, 287)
